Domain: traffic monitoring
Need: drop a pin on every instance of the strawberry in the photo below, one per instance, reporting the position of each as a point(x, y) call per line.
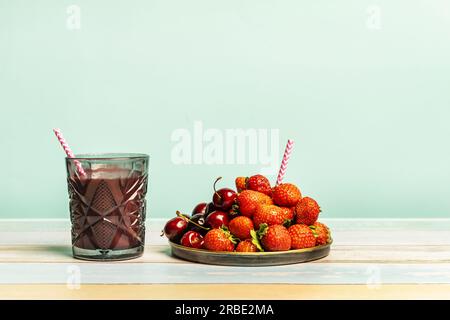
point(288, 213)
point(246, 246)
point(275, 238)
point(268, 214)
point(259, 183)
point(241, 183)
point(248, 201)
point(241, 227)
point(322, 233)
point(286, 195)
point(302, 236)
point(219, 240)
point(307, 211)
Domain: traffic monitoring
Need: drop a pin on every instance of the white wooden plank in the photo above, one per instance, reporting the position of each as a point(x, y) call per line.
point(155, 273)
point(63, 254)
point(345, 232)
point(161, 254)
point(364, 251)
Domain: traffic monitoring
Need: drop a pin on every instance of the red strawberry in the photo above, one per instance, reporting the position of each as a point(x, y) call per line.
point(307, 211)
point(241, 227)
point(241, 184)
point(269, 214)
point(219, 240)
point(249, 200)
point(302, 236)
point(286, 195)
point(275, 238)
point(246, 246)
point(322, 233)
point(288, 213)
point(259, 183)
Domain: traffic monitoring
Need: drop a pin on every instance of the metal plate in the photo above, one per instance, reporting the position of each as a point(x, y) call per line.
point(253, 259)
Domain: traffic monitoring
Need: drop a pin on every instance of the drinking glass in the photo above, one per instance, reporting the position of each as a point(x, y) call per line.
point(107, 205)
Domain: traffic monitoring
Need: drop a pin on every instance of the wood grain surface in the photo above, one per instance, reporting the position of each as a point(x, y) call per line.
point(369, 259)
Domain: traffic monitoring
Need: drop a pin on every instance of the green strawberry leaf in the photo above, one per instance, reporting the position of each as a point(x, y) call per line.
point(234, 210)
point(262, 230)
point(255, 240)
point(314, 231)
point(287, 223)
point(232, 238)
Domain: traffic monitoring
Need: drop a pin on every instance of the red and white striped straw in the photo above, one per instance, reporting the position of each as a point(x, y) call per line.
point(284, 162)
point(68, 151)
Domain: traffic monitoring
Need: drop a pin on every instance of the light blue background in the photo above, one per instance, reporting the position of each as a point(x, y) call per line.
point(369, 109)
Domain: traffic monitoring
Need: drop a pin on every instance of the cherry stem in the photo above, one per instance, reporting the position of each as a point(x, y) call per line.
point(190, 221)
point(162, 233)
point(179, 214)
point(196, 224)
point(214, 187)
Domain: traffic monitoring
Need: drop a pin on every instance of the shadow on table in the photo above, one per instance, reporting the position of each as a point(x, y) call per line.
point(65, 251)
point(166, 250)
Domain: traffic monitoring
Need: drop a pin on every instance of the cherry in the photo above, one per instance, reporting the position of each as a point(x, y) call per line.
point(175, 228)
point(210, 208)
point(217, 219)
point(197, 223)
point(192, 239)
point(224, 198)
point(200, 208)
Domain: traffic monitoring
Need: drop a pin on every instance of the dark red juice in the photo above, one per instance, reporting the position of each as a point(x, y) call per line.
point(107, 209)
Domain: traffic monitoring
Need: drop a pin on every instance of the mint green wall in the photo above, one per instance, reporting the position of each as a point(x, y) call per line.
point(369, 108)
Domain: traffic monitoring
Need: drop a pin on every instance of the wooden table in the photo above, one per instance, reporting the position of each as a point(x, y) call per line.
point(369, 259)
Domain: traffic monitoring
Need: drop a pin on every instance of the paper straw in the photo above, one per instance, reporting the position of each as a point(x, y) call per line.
point(68, 151)
point(284, 163)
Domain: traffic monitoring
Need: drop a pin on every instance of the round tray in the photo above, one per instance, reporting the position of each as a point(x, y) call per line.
point(253, 259)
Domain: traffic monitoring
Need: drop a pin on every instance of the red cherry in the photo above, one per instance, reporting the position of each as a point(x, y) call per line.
point(217, 219)
point(210, 208)
point(196, 221)
point(200, 208)
point(224, 198)
point(175, 228)
point(192, 239)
